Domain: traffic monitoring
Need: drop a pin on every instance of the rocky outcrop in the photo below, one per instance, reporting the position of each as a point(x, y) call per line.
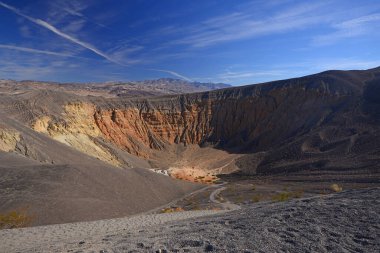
point(8, 139)
point(77, 129)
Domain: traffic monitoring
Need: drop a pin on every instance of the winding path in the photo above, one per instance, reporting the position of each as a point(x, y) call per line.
point(225, 205)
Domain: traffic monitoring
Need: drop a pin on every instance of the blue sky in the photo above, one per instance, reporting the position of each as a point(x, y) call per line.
point(236, 42)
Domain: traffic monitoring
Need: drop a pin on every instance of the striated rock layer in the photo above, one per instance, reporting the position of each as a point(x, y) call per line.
point(282, 126)
point(278, 127)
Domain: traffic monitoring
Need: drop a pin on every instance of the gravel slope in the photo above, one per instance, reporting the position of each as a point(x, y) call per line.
point(343, 222)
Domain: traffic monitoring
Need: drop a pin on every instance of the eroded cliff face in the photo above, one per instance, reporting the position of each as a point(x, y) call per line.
point(77, 128)
point(141, 129)
point(244, 120)
point(251, 120)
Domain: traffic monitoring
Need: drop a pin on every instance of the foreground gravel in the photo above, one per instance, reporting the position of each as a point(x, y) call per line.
point(344, 222)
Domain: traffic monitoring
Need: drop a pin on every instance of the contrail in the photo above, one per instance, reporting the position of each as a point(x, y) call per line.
point(60, 33)
point(32, 50)
point(79, 42)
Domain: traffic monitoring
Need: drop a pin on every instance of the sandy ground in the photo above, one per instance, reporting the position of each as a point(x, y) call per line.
point(62, 237)
point(342, 222)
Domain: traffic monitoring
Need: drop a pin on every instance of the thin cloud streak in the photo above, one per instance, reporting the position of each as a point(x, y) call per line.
point(60, 33)
point(37, 51)
point(172, 73)
point(245, 74)
point(348, 29)
point(244, 25)
point(285, 71)
point(78, 14)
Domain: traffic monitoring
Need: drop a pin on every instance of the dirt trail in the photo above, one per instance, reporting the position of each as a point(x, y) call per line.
point(225, 205)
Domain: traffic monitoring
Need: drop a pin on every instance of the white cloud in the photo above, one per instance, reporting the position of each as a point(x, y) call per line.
point(260, 74)
point(356, 22)
point(173, 73)
point(72, 8)
point(348, 29)
point(124, 53)
point(244, 24)
point(74, 26)
point(344, 64)
point(240, 77)
point(21, 68)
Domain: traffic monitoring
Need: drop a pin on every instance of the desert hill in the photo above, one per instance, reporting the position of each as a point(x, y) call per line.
point(162, 86)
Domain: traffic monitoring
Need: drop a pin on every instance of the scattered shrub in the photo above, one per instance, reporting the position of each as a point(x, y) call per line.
point(283, 196)
point(336, 188)
point(298, 194)
point(15, 219)
point(172, 210)
point(231, 188)
point(256, 198)
point(196, 207)
point(239, 199)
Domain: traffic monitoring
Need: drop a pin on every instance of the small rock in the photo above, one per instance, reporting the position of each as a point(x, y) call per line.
point(209, 248)
point(81, 242)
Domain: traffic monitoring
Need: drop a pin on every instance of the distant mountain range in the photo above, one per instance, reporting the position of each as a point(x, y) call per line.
point(145, 88)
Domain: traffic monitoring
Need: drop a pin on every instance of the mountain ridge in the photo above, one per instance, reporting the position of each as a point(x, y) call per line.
point(152, 87)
